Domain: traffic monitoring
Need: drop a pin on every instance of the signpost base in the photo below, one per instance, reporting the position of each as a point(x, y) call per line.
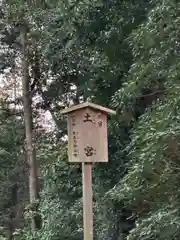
point(87, 200)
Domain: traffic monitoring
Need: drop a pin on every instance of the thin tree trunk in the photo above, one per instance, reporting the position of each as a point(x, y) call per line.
point(30, 150)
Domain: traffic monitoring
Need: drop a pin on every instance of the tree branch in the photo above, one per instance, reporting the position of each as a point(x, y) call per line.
point(151, 94)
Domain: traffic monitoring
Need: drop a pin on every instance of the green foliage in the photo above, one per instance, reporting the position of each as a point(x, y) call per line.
point(61, 198)
point(127, 51)
point(13, 176)
point(25, 234)
point(88, 49)
point(150, 188)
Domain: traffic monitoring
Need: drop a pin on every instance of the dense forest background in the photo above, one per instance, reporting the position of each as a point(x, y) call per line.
point(120, 54)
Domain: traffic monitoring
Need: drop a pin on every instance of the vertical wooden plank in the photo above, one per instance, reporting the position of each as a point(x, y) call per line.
point(87, 201)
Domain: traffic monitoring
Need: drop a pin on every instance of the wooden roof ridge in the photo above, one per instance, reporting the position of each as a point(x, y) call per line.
point(90, 105)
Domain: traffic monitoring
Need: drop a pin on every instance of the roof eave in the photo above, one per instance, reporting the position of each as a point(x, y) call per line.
point(88, 104)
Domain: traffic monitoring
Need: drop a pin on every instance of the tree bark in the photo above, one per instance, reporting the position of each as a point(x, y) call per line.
point(27, 105)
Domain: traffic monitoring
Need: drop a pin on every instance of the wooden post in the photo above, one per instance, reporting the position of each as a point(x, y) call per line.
point(87, 201)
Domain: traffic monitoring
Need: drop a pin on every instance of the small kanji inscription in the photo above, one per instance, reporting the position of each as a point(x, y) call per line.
point(75, 143)
point(100, 123)
point(73, 120)
point(76, 152)
point(75, 135)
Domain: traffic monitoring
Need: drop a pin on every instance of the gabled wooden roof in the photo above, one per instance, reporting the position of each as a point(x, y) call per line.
point(90, 105)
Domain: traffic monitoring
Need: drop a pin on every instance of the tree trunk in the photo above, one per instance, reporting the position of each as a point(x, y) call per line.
point(30, 150)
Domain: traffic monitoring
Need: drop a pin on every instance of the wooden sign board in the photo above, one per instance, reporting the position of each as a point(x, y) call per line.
point(87, 133)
